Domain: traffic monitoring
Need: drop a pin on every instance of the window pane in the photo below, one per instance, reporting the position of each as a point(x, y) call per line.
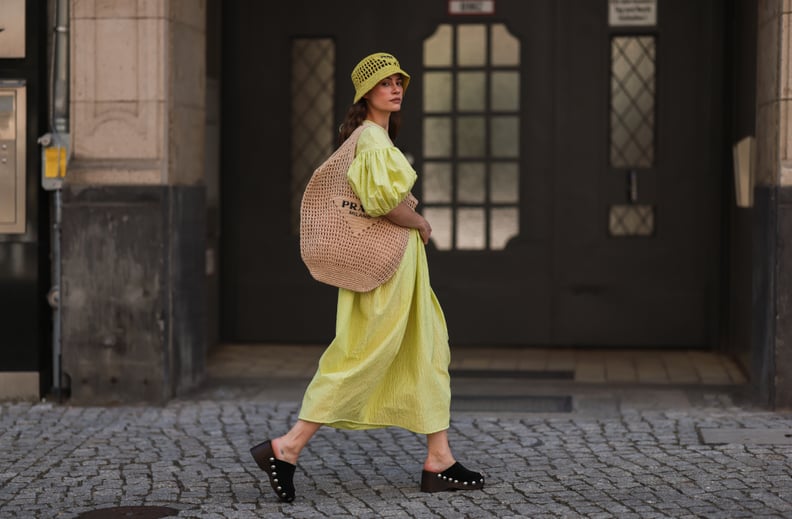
point(437, 91)
point(504, 182)
point(505, 136)
point(631, 220)
point(505, 91)
point(440, 220)
point(471, 144)
point(470, 184)
point(504, 225)
point(437, 137)
point(632, 101)
point(437, 48)
point(470, 229)
point(505, 47)
point(470, 91)
point(470, 136)
point(471, 45)
point(437, 182)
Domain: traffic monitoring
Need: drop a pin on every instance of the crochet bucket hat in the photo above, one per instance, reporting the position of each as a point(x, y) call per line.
point(374, 68)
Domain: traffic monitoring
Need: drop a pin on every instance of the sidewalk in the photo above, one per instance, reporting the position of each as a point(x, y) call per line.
point(617, 450)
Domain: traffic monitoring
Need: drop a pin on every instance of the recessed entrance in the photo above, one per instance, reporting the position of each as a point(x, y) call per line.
point(572, 168)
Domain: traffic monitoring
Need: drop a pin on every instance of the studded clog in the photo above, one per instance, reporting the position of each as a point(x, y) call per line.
point(456, 477)
point(280, 473)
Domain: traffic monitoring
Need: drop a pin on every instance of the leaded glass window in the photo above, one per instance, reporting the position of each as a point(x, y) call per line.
point(632, 127)
point(632, 120)
point(312, 92)
point(471, 100)
point(631, 220)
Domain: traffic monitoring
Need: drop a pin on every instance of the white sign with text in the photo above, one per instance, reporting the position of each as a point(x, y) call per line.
point(632, 13)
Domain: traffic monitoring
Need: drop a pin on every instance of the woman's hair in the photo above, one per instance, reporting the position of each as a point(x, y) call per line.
point(355, 117)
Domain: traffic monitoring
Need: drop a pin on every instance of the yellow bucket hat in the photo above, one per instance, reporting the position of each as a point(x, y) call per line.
point(374, 68)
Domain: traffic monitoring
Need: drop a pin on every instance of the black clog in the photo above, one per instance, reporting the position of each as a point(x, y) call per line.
point(280, 473)
point(456, 477)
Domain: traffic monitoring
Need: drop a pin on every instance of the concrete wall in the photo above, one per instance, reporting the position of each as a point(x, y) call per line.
point(138, 91)
point(772, 253)
point(133, 292)
point(134, 234)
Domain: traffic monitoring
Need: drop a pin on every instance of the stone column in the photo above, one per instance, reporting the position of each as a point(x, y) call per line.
point(134, 204)
point(772, 323)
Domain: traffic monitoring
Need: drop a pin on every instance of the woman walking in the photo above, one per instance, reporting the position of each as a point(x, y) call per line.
point(388, 363)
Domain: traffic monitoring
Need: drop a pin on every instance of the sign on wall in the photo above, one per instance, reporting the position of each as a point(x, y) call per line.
point(632, 13)
point(471, 7)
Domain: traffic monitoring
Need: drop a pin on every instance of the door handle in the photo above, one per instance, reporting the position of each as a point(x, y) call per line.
point(632, 186)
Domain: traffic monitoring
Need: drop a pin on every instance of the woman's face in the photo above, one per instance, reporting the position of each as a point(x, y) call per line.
point(387, 95)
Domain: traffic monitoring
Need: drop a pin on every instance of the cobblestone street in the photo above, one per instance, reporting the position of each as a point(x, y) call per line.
point(567, 222)
point(630, 451)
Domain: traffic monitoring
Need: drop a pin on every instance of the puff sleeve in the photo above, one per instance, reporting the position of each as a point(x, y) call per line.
point(380, 174)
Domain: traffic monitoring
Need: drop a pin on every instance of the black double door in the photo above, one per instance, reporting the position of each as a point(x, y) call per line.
point(600, 160)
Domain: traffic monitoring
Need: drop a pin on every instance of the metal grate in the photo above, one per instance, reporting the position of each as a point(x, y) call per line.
point(632, 101)
point(631, 220)
point(132, 512)
point(312, 93)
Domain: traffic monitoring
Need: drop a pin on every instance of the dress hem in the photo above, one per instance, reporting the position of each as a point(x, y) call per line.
point(351, 425)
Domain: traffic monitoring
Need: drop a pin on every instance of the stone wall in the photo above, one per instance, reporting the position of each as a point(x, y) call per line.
point(772, 323)
point(134, 233)
point(138, 91)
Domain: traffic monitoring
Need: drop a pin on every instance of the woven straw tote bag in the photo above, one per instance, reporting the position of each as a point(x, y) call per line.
point(340, 244)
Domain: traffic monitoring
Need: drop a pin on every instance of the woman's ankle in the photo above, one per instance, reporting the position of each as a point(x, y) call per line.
point(438, 464)
point(283, 451)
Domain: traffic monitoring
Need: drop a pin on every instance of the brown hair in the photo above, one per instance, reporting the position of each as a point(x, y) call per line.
point(355, 117)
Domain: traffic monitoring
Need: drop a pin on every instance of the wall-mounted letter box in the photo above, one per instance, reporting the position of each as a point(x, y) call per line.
point(12, 157)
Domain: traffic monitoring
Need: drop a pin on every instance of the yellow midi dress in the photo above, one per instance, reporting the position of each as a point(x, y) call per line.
point(388, 363)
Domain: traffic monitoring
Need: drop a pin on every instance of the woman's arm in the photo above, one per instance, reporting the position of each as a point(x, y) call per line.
point(405, 216)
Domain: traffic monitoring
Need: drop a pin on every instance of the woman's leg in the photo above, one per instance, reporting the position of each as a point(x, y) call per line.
point(288, 447)
point(278, 457)
point(442, 472)
point(438, 457)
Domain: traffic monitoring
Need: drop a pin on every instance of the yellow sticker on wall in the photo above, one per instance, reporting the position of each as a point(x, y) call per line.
point(55, 162)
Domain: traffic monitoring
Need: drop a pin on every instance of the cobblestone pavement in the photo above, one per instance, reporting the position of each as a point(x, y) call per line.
point(642, 457)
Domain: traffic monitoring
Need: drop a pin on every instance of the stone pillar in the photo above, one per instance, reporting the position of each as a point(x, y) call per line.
point(772, 323)
point(134, 216)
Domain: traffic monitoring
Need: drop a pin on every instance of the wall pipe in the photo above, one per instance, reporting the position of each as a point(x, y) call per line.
point(60, 111)
point(59, 136)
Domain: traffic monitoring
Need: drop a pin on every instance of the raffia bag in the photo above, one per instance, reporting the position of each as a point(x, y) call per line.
point(340, 244)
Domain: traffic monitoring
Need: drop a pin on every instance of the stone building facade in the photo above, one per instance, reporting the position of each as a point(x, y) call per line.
point(141, 238)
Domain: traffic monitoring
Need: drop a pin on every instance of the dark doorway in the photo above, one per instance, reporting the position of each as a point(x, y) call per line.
point(569, 166)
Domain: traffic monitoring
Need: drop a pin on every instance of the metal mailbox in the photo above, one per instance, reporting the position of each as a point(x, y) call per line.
point(13, 133)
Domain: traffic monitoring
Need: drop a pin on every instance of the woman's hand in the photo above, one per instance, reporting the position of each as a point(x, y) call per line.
point(405, 216)
point(425, 230)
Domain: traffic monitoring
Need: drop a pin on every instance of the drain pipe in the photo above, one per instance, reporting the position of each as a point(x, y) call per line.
point(55, 154)
point(60, 112)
